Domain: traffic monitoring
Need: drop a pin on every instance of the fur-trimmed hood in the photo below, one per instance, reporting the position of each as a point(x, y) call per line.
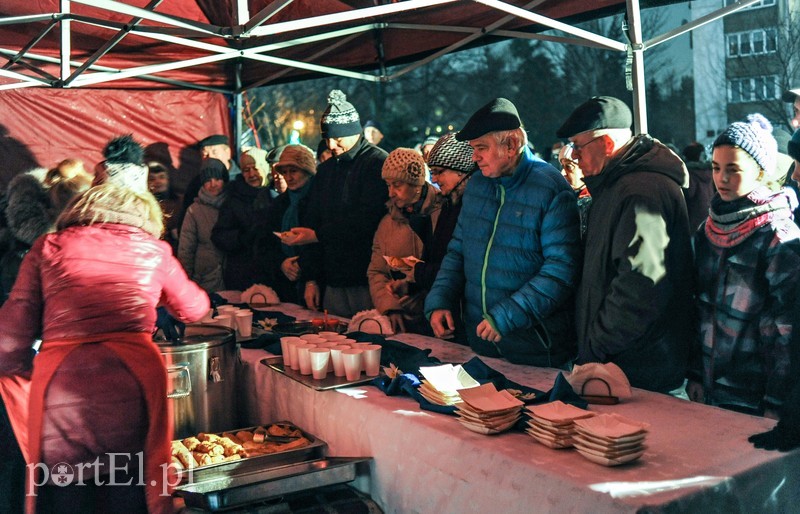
point(28, 211)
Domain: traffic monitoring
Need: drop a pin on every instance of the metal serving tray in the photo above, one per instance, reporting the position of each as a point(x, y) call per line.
point(329, 382)
point(226, 492)
point(315, 450)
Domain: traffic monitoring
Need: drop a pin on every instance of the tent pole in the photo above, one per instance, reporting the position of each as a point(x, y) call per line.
point(65, 39)
point(637, 49)
point(237, 111)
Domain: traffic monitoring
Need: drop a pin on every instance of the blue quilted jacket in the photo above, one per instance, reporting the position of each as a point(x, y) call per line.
point(515, 257)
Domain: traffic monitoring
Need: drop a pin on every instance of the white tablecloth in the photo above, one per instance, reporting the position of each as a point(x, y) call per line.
point(428, 463)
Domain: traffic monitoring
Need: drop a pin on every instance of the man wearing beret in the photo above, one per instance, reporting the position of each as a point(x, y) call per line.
point(515, 253)
point(633, 306)
point(218, 147)
point(792, 96)
point(345, 204)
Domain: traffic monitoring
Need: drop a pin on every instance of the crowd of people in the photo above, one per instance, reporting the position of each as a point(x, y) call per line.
point(677, 268)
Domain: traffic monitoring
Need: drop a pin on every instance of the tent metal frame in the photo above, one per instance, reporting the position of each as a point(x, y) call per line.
point(180, 31)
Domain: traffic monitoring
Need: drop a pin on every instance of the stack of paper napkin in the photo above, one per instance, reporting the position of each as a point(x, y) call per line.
point(486, 410)
point(442, 383)
point(553, 424)
point(610, 439)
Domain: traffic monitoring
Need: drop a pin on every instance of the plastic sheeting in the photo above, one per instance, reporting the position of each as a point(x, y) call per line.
point(41, 127)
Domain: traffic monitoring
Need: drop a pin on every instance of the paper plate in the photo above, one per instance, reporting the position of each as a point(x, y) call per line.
point(612, 426)
point(558, 412)
point(556, 444)
point(481, 429)
point(607, 447)
point(609, 440)
point(605, 461)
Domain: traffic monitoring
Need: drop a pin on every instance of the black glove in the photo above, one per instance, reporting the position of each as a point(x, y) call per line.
point(783, 437)
point(172, 328)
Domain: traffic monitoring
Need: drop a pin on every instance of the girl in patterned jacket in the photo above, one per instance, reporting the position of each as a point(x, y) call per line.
point(747, 253)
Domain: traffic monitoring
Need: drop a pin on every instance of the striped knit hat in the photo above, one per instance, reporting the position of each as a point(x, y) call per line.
point(450, 153)
point(754, 136)
point(340, 119)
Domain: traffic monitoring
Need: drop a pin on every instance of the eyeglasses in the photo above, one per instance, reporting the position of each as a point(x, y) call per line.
point(579, 148)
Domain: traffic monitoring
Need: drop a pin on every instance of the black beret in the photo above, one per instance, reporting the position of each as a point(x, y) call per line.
point(790, 95)
point(599, 112)
point(216, 139)
point(499, 114)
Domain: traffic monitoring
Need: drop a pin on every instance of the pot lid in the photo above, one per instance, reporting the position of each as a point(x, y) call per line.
point(200, 335)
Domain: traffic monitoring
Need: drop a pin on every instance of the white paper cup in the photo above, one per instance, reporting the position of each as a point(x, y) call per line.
point(304, 358)
point(336, 338)
point(372, 359)
point(352, 361)
point(320, 358)
point(312, 338)
point(224, 320)
point(327, 334)
point(226, 309)
point(336, 360)
point(294, 363)
point(287, 362)
point(244, 322)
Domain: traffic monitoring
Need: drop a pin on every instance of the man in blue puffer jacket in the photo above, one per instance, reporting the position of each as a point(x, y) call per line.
point(515, 252)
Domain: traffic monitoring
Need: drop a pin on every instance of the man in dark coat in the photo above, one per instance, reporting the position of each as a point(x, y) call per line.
point(701, 185)
point(346, 202)
point(634, 300)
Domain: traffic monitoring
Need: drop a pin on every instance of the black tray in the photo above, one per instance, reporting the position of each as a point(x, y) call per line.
point(247, 488)
point(329, 382)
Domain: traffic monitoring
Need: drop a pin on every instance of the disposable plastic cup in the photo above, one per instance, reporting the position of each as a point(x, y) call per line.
point(224, 320)
point(226, 309)
point(304, 358)
point(352, 360)
point(320, 358)
point(311, 338)
point(327, 334)
point(294, 362)
point(336, 338)
point(336, 360)
point(287, 362)
point(244, 322)
point(372, 359)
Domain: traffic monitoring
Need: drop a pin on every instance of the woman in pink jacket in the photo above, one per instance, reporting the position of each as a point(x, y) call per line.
point(97, 410)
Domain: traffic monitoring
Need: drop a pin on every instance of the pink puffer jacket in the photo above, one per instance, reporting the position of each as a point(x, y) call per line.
point(86, 280)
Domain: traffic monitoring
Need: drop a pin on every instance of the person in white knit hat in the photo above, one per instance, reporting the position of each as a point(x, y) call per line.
point(400, 240)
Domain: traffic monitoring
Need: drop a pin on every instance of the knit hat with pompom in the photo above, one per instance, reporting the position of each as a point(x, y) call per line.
point(340, 119)
point(406, 165)
point(124, 165)
point(754, 136)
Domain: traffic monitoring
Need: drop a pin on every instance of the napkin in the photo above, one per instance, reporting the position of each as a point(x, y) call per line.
point(259, 293)
point(371, 322)
point(592, 378)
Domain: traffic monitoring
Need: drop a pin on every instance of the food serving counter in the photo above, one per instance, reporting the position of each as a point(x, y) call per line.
point(697, 458)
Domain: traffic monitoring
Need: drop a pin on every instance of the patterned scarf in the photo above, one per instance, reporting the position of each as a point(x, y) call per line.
point(730, 223)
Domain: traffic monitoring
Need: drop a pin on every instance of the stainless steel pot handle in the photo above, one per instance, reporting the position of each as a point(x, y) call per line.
point(179, 374)
point(213, 370)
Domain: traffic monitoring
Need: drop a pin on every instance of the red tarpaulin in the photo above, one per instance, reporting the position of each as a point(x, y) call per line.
point(44, 126)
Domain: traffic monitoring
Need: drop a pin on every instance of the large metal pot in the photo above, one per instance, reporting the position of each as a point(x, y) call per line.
point(202, 367)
